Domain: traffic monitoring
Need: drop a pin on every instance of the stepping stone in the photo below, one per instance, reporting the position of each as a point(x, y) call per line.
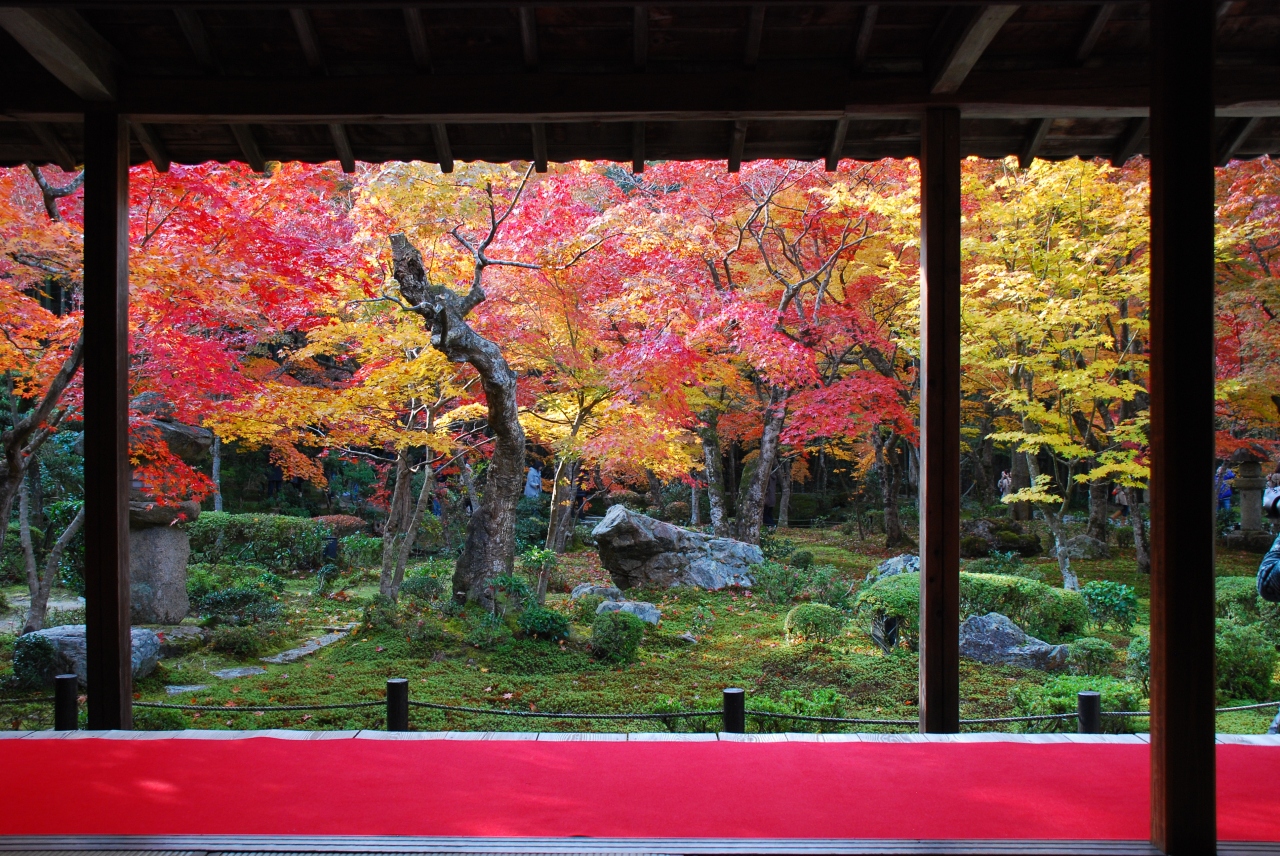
point(242, 672)
point(308, 647)
point(180, 689)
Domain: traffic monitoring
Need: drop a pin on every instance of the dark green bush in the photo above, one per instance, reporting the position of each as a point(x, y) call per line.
point(1124, 536)
point(1111, 603)
point(380, 613)
point(422, 587)
point(35, 660)
point(823, 702)
point(533, 516)
point(543, 623)
point(1246, 662)
point(825, 585)
point(1022, 544)
point(973, 547)
point(325, 578)
point(238, 641)
point(814, 622)
point(1047, 613)
point(275, 541)
point(1236, 598)
point(584, 608)
point(1058, 695)
point(1009, 564)
point(1137, 662)
point(360, 551)
point(802, 559)
point(775, 548)
point(243, 602)
point(1090, 656)
point(803, 506)
point(616, 636)
point(776, 582)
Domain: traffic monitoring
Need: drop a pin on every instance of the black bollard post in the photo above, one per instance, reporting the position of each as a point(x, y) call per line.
point(735, 711)
point(1089, 712)
point(397, 704)
point(66, 703)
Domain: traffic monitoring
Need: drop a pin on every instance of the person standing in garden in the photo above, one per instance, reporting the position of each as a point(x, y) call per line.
point(1121, 497)
point(1005, 484)
point(1223, 483)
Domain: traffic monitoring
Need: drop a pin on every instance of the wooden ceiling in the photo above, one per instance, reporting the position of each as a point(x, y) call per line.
point(446, 81)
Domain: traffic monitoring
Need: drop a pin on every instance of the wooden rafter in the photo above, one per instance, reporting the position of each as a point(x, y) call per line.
point(1035, 140)
point(197, 38)
point(838, 137)
point(737, 143)
point(342, 144)
point(1237, 132)
point(444, 152)
point(637, 147)
point(417, 32)
point(152, 145)
point(957, 55)
point(53, 146)
point(862, 43)
point(1097, 24)
point(308, 39)
point(755, 34)
point(640, 37)
point(539, 132)
point(249, 147)
point(529, 36)
point(1130, 141)
point(65, 44)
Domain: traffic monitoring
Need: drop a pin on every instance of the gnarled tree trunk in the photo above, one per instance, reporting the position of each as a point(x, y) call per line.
point(1097, 511)
point(751, 493)
point(784, 495)
point(713, 460)
point(563, 493)
point(490, 547)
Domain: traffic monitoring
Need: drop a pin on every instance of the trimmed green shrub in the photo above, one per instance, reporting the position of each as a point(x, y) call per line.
point(814, 622)
point(35, 660)
point(423, 587)
point(1008, 564)
point(1022, 544)
point(325, 578)
point(776, 582)
point(584, 608)
point(533, 516)
point(1124, 536)
point(1058, 695)
point(380, 613)
point(823, 702)
point(275, 541)
point(359, 550)
point(616, 636)
point(1137, 662)
point(1246, 661)
point(1090, 656)
point(775, 548)
point(543, 623)
point(824, 585)
point(802, 559)
point(678, 513)
point(973, 547)
point(1236, 598)
point(1111, 603)
point(1048, 613)
point(238, 641)
point(243, 602)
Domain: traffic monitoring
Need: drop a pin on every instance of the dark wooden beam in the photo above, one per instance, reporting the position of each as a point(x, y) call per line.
point(736, 144)
point(106, 420)
point(65, 44)
point(444, 152)
point(640, 37)
point(755, 33)
point(249, 147)
point(539, 132)
point(307, 38)
point(838, 137)
point(1039, 131)
point(417, 38)
point(1097, 24)
point(1130, 141)
point(197, 38)
point(342, 145)
point(1237, 132)
point(862, 43)
point(637, 147)
point(54, 148)
point(152, 145)
point(529, 36)
point(1181, 312)
point(940, 422)
point(959, 53)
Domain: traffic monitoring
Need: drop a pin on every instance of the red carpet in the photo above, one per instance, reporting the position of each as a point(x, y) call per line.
point(626, 789)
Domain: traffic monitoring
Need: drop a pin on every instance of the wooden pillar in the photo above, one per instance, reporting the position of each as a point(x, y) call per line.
point(940, 422)
point(106, 419)
point(1182, 422)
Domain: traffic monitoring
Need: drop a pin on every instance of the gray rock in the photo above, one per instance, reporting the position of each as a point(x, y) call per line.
point(606, 592)
point(69, 639)
point(994, 639)
point(641, 610)
point(688, 637)
point(309, 647)
point(241, 672)
point(176, 641)
point(904, 564)
point(158, 575)
point(179, 689)
point(1086, 547)
point(639, 551)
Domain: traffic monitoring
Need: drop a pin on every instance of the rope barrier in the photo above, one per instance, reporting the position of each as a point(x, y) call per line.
point(259, 708)
point(15, 702)
point(538, 714)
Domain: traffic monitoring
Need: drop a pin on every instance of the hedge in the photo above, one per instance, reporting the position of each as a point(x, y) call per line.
point(275, 541)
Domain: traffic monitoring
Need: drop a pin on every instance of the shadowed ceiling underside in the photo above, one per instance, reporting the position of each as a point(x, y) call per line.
point(439, 82)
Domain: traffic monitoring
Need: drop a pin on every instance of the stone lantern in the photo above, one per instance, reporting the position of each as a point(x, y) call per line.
point(1248, 486)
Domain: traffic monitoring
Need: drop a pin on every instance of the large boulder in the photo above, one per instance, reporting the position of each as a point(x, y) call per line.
point(994, 639)
point(904, 564)
point(640, 609)
point(158, 575)
point(1086, 547)
point(639, 551)
point(69, 639)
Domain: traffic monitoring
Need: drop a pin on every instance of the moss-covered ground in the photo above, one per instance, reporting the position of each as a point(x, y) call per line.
point(453, 659)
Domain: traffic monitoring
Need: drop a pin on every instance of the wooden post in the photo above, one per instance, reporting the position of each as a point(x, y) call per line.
point(1182, 423)
point(940, 421)
point(106, 419)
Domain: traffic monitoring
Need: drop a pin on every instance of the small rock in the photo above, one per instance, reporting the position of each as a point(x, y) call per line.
point(69, 639)
point(1086, 547)
point(241, 672)
point(904, 564)
point(606, 592)
point(180, 689)
point(181, 639)
point(688, 637)
point(641, 610)
point(993, 638)
point(308, 647)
